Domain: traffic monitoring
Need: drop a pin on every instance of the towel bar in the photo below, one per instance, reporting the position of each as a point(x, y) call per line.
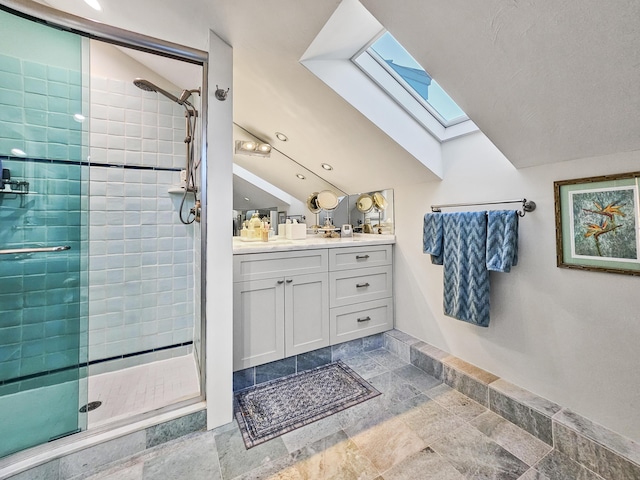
point(527, 205)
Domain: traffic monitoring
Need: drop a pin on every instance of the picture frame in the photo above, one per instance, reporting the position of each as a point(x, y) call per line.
point(597, 223)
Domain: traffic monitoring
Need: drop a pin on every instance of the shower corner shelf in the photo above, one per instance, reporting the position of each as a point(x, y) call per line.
point(15, 187)
point(179, 190)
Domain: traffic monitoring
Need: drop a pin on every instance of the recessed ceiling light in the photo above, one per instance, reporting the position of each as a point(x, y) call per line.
point(93, 4)
point(300, 176)
point(18, 153)
point(246, 199)
point(326, 166)
point(281, 136)
point(78, 117)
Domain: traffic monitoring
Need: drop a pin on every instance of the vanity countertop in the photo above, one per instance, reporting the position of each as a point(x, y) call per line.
point(309, 243)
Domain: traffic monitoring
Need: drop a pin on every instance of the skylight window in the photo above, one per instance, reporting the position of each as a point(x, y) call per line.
point(406, 71)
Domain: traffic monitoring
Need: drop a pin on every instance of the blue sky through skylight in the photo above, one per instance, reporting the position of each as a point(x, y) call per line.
point(398, 59)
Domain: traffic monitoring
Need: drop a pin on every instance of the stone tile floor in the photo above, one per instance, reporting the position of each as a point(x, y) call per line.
point(419, 428)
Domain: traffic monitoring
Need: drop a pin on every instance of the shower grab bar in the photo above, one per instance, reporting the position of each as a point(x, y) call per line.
point(12, 251)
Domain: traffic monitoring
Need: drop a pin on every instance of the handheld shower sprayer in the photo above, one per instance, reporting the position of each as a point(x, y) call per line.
point(191, 116)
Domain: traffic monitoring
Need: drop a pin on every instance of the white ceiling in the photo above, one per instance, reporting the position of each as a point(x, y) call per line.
point(545, 82)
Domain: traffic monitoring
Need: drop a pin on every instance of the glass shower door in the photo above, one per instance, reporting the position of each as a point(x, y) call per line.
point(43, 224)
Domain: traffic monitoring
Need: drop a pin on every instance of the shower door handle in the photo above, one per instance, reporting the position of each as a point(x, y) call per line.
point(12, 251)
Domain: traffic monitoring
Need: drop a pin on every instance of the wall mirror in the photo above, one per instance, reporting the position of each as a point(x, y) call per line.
point(372, 212)
point(273, 184)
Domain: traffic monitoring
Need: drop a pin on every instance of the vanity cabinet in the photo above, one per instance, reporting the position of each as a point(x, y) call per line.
point(291, 302)
point(361, 292)
point(281, 306)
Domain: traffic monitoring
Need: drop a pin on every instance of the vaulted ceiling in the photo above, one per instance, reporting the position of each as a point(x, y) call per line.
point(545, 82)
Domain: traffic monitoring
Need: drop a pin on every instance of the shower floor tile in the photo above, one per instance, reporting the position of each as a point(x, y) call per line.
point(143, 388)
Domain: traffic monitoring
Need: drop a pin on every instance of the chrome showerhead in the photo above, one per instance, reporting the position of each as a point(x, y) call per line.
point(147, 86)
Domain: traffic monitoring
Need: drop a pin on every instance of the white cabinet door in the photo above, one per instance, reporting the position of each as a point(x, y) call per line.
point(258, 326)
point(306, 313)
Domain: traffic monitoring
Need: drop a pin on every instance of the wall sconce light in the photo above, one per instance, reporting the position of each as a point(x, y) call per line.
point(249, 147)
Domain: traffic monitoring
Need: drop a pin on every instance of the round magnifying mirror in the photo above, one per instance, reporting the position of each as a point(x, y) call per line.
point(327, 200)
point(364, 203)
point(312, 203)
point(379, 201)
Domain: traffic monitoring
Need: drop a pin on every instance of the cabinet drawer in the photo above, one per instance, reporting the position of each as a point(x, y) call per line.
point(356, 257)
point(356, 321)
point(360, 285)
point(256, 266)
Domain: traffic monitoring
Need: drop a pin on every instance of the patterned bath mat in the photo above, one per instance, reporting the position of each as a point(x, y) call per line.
point(276, 407)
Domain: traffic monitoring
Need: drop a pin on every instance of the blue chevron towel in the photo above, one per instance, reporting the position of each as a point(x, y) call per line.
point(432, 237)
point(466, 278)
point(502, 240)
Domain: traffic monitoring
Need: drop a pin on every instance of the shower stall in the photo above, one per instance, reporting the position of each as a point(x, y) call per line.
point(100, 240)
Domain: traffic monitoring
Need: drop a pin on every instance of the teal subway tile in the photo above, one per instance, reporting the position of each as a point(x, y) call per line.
point(75, 77)
point(57, 234)
point(61, 359)
point(74, 187)
point(75, 105)
point(11, 284)
point(10, 64)
point(33, 332)
point(11, 81)
point(32, 267)
point(57, 74)
point(61, 343)
point(34, 299)
point(32, 69)
point(11, 130)
point(56, 280)
point(34, 282)
point(9, 369)
point(33, 348)
point(56, 310)
point(10, 335)
point(12, 301)
point(6, 146)
point(33, 132)
point(75, 153)
point(35, 85)
point(9, 389)
point(74, 137)
point(10, 317)
point(10, 352)
point(60, 90)
point(10, 114)
point(34, 315)
point(31, 365)
point(57, 120)
point(35, 117)
point(71, 375)
point(35, 101)
point(11, 97)
point(58, 105)
point(55, 328)
point(57, 151)
point(58, 135)
point(34, 383)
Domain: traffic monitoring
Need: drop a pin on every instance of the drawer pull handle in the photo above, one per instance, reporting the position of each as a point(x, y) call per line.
point(289, 280)
point(362, 257)
point(280, 282)
point(364, 319)
point(361, 285)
